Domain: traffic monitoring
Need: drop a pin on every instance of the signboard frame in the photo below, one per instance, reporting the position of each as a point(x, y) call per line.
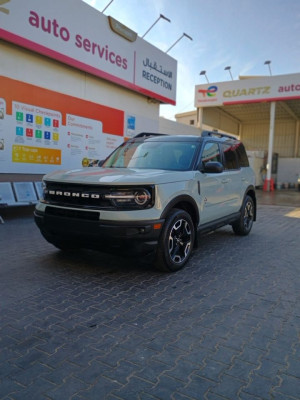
point(252, 90)
point(84, 39)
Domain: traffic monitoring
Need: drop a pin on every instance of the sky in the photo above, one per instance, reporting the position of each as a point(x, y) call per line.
point(242, 34)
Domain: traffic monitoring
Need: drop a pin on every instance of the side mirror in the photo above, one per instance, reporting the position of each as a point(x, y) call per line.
point(213, 167)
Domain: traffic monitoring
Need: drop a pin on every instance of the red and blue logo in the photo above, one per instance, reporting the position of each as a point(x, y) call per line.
point(209, 92)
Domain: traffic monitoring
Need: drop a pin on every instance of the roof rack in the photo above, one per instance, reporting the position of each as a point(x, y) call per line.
point(212, 133)
point(147, 134)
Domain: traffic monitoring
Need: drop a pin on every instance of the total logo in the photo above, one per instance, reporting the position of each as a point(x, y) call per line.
point(209, 92)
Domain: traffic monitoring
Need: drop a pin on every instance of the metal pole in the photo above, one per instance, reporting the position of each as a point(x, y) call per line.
point(204, 73)
point(184, 34)
point(107, 6)
point(155, 22)
point(268, 63)
point(174, 43)
point(151, 27)
point(271, 140)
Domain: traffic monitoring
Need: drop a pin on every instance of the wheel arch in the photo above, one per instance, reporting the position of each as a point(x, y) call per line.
point(185, 203)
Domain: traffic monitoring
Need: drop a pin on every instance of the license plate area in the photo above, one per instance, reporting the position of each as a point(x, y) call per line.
point(70, 213)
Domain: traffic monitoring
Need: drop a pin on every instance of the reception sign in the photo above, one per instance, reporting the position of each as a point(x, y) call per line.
point(76, 34)
point(252, 90)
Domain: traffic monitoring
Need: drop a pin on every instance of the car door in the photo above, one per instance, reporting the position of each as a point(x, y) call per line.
point(212, 186)
point(233, 179)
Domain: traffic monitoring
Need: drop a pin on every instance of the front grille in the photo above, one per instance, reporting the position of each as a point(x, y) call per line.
point(86, 196)
point(74, 195)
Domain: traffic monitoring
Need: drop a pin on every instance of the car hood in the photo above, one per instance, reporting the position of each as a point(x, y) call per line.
point(118, 176)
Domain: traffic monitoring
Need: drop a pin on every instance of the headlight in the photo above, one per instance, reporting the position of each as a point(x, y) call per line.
point(135, 198)
point(43, 190)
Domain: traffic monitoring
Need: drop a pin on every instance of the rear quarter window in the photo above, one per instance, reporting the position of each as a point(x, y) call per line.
point(242, 155)
point(230, 157)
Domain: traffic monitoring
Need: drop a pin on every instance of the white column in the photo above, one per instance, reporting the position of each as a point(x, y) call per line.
point(271, 140)
point(240, 131)
point(296, 154)
point(199, 117)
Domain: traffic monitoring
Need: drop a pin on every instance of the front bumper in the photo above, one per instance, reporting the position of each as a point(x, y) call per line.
point(129, 237)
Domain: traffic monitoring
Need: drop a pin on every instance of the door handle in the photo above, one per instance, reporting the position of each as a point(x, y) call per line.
point(225, 180)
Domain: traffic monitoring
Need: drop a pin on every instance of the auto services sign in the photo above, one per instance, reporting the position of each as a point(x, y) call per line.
point(252, 90)
point(78, 35)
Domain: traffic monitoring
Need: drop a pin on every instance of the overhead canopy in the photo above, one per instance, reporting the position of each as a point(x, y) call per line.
point(247, 99)
point(261, 111)
point(233, 106)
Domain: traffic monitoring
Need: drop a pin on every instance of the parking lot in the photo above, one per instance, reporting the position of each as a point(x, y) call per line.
point(92, 326)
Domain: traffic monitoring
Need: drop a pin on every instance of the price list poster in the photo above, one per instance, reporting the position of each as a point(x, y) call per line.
point(42, 130)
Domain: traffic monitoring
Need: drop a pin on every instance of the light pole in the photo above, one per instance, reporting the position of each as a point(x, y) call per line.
point(160, 16)
point(268, 62)
point(107, 6)
point(204, 73)
point(229, 69)
point(184, 34)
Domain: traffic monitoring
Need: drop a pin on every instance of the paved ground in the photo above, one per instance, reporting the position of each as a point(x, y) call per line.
point(93, 326)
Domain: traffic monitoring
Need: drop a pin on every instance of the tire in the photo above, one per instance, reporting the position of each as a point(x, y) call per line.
point(244, 224)
point(64, 246)
point(176, 241)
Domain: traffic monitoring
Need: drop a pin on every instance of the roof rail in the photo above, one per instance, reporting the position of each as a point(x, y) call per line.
point(147, 134)
point(212, 133)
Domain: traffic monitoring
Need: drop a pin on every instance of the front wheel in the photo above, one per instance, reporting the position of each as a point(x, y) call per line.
point(244, 224)
point(176, 241)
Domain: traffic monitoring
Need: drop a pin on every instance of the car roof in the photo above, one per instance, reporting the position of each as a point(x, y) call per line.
point(206, 135)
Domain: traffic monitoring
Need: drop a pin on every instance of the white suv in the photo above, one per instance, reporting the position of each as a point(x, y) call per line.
point(154, 193)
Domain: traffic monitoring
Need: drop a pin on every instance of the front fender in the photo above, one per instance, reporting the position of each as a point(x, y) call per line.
point(186, 203)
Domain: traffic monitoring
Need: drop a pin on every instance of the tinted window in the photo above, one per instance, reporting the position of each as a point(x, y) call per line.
point(242, 155)
point(211, 152)
point(230, 159)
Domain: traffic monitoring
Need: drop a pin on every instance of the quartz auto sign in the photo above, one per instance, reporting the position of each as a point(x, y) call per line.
point(254, 91)
point(275, 88)
point(86, 40)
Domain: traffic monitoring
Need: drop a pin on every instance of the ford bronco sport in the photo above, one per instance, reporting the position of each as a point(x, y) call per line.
point(154, 194)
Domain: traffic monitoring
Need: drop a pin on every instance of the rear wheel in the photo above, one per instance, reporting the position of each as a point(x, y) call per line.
point(244, 224)
point(176, 241)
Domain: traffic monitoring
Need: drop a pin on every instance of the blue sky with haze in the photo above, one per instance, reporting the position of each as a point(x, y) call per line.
point(240, 33)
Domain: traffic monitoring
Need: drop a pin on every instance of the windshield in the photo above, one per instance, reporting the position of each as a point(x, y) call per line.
point(153, 155)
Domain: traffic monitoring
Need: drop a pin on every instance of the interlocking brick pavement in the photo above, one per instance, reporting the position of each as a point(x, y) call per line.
point(93, 326)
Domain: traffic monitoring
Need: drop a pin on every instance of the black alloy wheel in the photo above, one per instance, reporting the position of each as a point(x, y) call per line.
point(244, 224)
point(176, 241)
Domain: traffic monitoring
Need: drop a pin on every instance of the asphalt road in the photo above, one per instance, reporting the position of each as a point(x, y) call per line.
point(92, 326)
